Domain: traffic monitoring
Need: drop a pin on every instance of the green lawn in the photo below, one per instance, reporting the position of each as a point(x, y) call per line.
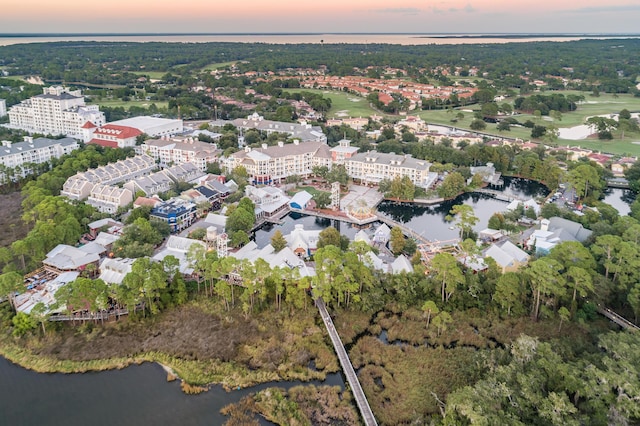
point(217, 66)
point(119, 103)
point(343, 105)
point(156, 75)
point(310, 189)
point(604, 104)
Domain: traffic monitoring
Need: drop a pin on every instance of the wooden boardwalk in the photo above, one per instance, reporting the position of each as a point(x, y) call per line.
point(621, 321)
point(340, 217)
point(347, 367)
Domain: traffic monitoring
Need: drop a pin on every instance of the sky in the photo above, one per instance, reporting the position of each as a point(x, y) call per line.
point(324, 16)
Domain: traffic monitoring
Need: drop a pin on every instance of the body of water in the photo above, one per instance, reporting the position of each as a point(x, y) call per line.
point(136, 395)
point(620, 199)
point(403, 39)
point(430, 222)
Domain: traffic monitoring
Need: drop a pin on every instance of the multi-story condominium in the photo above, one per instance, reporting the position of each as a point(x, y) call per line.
point(170, 151)
point(35, 151)
point(153, 184)
point(161, 181)
point(58, 111)
point(342, 152)
point(110, 135)
point(304, 132)
point(79, 186)
point(107, 199)
point(271, 164)
point(373, 166)
point(3, 107)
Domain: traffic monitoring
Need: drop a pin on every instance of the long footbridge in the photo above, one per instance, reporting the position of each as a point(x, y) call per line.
point(621, 321)
point(499, 195)
point(347, 367)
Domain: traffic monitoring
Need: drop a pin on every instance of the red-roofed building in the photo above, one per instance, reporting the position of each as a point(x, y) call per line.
point(111, 135)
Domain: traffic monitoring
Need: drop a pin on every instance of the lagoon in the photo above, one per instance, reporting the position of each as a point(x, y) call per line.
point(136, 395)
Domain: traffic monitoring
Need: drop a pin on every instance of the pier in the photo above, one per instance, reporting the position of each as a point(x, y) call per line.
point(347, 367)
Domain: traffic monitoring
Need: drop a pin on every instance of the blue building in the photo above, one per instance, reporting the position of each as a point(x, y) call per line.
point(179, 214)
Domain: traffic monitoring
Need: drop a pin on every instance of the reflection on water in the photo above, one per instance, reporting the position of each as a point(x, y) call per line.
point(403, 39)
point(429, 221)
point(620, 199)
point(136, 395)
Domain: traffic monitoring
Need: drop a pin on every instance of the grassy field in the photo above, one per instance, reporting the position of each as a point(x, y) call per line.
point(156, 75)
point(216, 66)
point(604, 104)
point(343, 105)
point(112, 103)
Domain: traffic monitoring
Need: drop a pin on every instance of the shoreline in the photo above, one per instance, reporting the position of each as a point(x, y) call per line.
point(190, 373)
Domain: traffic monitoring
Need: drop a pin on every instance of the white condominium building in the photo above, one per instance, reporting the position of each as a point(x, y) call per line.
point(168, 151)
point(58, 111)
point(80, 185)
point(34, 151)
point(271, 164)
point(373, 166)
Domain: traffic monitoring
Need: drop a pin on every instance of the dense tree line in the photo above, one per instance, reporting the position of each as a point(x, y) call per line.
point(52, 219)
point(593, 61)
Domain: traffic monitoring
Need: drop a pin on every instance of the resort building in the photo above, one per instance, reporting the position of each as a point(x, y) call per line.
point(303, 242)
point(269, 201)
point(272, 164)
point(507, 255)
point(3, 108)
point(153, 126)
point(110, 135)
point(179, 214)
point(179, 247)
point(161, 181)
point(554, 231)
point(371, 167)
point(284, 258)
point(108, 199)
point(171, 151)
point(302, 131)
point(113, 271)
point(80, 185)
point(36, 151)
point(58, 111)
point(342, 152)
point(64, 258)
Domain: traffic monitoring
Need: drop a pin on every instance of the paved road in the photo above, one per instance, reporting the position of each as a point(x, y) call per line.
point(352, 378)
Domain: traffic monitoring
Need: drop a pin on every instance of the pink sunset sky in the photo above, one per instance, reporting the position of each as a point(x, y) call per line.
point(284, 16)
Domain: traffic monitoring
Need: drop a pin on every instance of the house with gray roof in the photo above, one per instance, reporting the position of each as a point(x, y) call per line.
point(554, 231)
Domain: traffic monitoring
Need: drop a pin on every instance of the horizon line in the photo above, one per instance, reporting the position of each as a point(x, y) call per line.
point(449, 34)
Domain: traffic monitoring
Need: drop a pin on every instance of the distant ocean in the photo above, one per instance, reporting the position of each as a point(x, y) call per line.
point(403, 39)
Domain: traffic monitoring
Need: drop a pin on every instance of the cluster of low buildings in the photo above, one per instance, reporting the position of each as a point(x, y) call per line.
point(362, 86)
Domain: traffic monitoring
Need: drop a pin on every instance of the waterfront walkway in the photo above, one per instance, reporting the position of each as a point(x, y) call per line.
point(347, 367)
point(621, 321)
point(499, 195)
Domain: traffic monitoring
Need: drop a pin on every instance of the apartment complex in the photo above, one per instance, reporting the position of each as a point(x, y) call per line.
point(3, 107)
point(180, 150)
point(272, 164)
point(302, 131)
point(373, 166)
point(98, 186)
point(161, 181)
point(35, 151)
point(58, 111)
